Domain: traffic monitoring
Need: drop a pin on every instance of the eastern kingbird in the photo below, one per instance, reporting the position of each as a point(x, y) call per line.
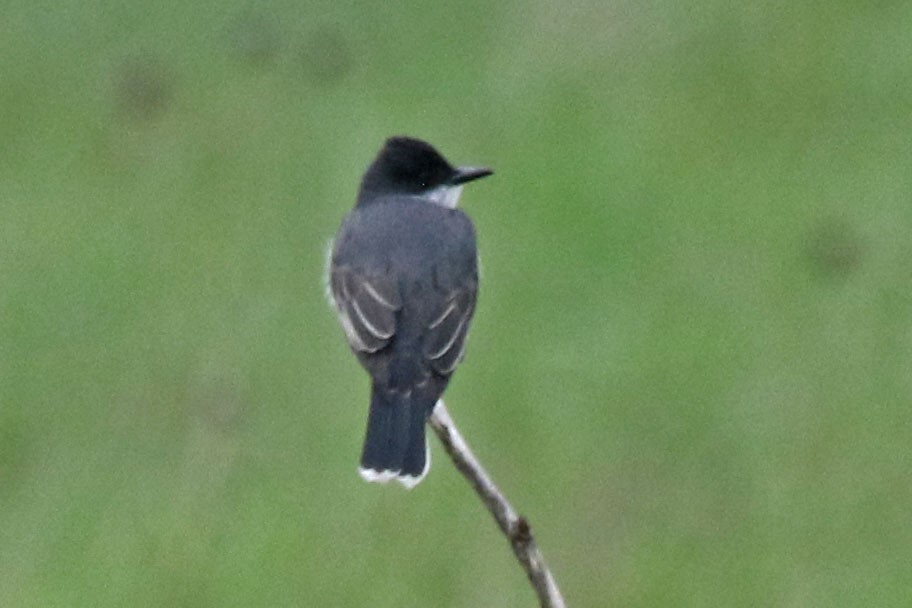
point(403, 276)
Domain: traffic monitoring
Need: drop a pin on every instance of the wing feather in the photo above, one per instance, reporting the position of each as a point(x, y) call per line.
point(444, 344)
point(366, 308)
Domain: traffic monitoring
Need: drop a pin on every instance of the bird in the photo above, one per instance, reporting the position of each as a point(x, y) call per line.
point(402, 275)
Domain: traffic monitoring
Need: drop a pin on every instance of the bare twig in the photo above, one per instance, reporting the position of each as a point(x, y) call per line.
point(515, 527)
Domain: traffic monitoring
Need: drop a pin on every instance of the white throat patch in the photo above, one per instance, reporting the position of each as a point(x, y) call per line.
point(445, 196)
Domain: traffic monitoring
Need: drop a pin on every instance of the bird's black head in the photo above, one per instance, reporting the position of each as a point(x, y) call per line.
point(411, 166)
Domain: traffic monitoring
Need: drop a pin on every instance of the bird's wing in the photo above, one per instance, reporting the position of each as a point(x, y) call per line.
point(444, 343)
point(367, 308)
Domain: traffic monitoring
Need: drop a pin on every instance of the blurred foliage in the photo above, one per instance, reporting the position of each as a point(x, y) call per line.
point(690, 366)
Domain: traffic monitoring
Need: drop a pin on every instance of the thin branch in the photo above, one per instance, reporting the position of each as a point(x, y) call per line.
point(514, 527)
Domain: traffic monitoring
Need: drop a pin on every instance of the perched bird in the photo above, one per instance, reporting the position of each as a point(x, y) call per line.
point(403, 277)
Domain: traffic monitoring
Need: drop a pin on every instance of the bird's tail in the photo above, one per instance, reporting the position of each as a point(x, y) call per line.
point(395, 445)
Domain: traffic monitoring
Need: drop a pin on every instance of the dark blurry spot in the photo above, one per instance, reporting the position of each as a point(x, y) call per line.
point(326, 56)
point(143, 88)
point(834, 248)
point(255, 38)
point(217, 402)
point(14, 448)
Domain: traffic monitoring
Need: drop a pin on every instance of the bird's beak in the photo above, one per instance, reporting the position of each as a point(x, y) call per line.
point(468, 174)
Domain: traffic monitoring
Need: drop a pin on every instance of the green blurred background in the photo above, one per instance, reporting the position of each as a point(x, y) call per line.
point(690, 365)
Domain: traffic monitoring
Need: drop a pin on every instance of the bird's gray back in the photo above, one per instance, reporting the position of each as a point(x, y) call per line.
point(415, 238)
